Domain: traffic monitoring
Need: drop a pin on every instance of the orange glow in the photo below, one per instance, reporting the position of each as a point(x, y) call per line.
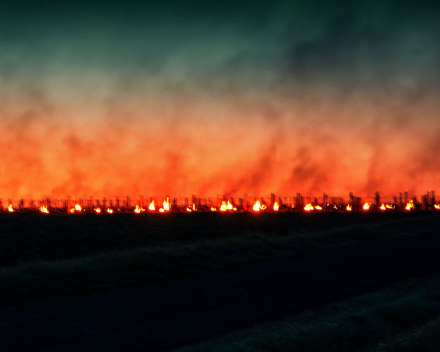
point(348, 207)
point(152, 207)
point(437, 206)
point(43, 209)
point(161, 210)
point(78, 207)
point(229, 206)
point(276, 206)
point(317, 207)
point(309, 207)
point(166, 205)
point(10, 209)
point(194, 207)
point(188, 209)
point(366, 206)
point(389, 206)
point(98, 210)
point(72, 210)
point(382, 207)
point(223, 206)
point(110, 211)
point(257, 206)
point(410, 205)
point(213, 209)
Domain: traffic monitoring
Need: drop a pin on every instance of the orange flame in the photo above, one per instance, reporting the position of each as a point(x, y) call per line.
point(213, 209)
point(138, 209)
point(166, 204)
point(10, 208)
point(317, 207)
point(389, 206)
point(410, 205)
point(382, 207)
point(276, 206)
point(43, 209)
point(348, 207)
point(366, 206)
point(309, 207)
point(78, 207)
point(229, 206)
point(437, 206)
point(257, 206)
point(72, 210)
point(110, 211)
point(223, 207)
point(151, 207)
point(98, 210)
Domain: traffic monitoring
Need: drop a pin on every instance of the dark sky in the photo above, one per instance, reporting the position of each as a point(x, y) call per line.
point(190, 97)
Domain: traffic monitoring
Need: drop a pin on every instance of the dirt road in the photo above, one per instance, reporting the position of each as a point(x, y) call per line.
point(164, 316)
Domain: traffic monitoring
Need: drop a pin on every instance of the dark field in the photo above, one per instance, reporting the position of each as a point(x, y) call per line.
point(161, 281)
point(31, 237)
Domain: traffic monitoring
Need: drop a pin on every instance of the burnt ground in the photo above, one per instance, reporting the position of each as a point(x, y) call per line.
point(165, 316)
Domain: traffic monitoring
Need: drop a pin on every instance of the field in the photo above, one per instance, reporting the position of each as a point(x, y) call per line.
point(49, 260)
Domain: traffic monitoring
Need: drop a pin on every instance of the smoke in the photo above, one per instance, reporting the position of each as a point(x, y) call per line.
point(292, 99)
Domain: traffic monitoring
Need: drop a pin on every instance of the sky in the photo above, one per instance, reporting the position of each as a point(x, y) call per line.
point(191, 97)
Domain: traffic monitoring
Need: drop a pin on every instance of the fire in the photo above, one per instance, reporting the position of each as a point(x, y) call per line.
point(410, 205)
point(110, 211)
point(229, 206)
point(166, 205)
point(151, 207)
point(382, 207)
point(437, 206)
point(10, 208)
point(98, 210)
point(389, 206)
point(43, 209)
point(139, 209)
point(72, 210)
point(257, 206)
point(317, 207)
point(335, 207)
point(348, 207)
point(276, 206)
point(366, 206)
point(78, 207)
point(194, 207)
point(309, 207)
point(213, 209)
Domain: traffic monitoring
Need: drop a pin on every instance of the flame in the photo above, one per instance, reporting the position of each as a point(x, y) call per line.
point(98, 210)
point(317, 207)
point(151, 206)
point(166, 205)
point(194, 207)
point(161, 210)
point(309, 207)
point(213, 209)
point(335, 207)
point(223, 206)
point(410, 205)
point(78, 207)
point(437, 206)
point(229, 206)
point(188, 209)
point(10, 209)
point(348, 207)
point(43, 209)
point(366, 206)
point(72, 210)
point(110, 211)
point(276, 206)
point(257, 206)
point(382, 207)
point(138, 209)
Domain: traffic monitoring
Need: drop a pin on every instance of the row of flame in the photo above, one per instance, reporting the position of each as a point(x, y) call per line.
point(227, 206)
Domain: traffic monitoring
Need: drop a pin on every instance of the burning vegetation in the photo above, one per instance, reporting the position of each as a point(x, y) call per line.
point(225, 205)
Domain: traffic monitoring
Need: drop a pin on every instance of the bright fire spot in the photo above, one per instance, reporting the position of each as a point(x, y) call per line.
point(98, 210)
point(335, 207)
point(194, 207)
point(382, 207)
point(10, 208)
point(161, 210)
point(410, 205)
point(166, 205)
point(43, 209)
point(110, 211)
point(78, 207)
point(223, 206)
point(437, 206)
point(389, 206)
point(276, 206)
point(229, 206)
point(309, 207)
point(188, 209)
point(213, 209)
point(257, 206)
point(317, 207)
point(138, 209)
point(151, 206)
point(348, 207)
point(366, 206)
point(72, 210)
